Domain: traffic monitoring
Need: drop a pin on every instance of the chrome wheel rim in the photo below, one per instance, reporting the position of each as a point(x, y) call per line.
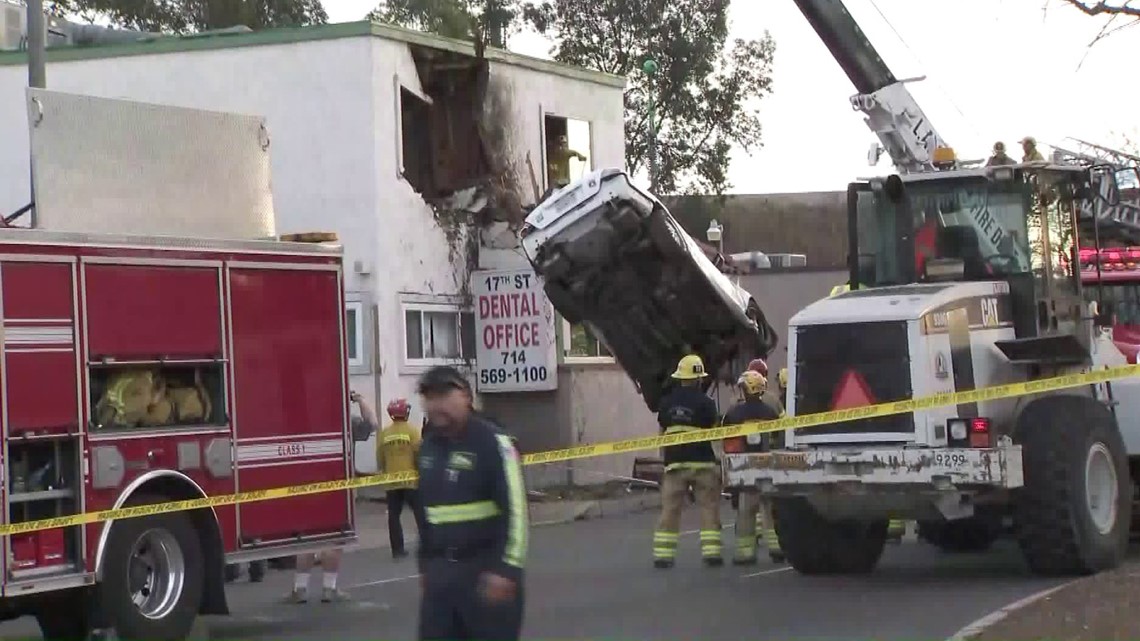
point(156, 573)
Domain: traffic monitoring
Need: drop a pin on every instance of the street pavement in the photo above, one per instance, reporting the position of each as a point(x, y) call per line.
point(593, 579)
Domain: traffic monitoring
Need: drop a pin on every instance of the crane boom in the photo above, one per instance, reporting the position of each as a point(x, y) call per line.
point(889, 109)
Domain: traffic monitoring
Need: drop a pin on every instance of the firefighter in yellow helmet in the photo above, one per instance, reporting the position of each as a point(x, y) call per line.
point(1029, 150)
point(686, 408)
point(753, 386)
point(783, 380)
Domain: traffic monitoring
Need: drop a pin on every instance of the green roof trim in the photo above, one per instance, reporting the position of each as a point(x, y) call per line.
point(290, 35)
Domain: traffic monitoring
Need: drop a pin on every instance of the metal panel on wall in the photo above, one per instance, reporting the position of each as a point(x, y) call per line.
point(105, 165)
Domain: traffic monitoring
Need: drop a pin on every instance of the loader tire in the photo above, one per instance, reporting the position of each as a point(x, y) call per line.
point(973, 534)
point(1073, 514)
point(815, 545)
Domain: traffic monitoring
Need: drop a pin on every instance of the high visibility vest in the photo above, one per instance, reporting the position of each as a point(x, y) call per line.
point(839, 289)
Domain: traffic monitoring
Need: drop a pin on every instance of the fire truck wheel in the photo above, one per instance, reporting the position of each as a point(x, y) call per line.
point(563, 301)
point(1072, 515)
point(815, 545)
point(153, 576)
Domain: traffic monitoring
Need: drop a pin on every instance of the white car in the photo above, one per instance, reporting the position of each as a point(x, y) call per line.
point(612, 257)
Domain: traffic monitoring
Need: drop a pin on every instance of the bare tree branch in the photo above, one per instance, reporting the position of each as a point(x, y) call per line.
point(1105, 7)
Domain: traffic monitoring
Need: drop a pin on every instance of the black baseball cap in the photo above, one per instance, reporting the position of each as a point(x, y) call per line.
point(442, 379)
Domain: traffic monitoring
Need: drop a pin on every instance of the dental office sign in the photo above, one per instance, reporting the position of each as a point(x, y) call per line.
point(514, 332)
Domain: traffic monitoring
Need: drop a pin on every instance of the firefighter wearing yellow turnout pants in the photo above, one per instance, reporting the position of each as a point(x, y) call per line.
point(753, 512)
point(689, 466)
point(896, 528)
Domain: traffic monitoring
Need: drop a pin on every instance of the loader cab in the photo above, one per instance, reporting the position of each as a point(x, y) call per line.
point(1013, 224)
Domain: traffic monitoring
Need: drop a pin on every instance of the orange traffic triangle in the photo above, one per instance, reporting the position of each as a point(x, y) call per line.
point(852, 391)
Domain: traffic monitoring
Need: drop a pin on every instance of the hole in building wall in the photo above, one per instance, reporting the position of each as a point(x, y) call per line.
point(442, 147)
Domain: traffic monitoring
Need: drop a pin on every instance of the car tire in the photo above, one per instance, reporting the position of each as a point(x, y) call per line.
point(666, 235)
point(815, 545)
point(165, 552)
point(563, 301)
point(1073, 513)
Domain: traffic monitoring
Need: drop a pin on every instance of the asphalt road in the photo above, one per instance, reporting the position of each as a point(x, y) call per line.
point(594, 579)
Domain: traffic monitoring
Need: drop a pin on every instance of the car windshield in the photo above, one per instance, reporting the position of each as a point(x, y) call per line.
point(972, 219)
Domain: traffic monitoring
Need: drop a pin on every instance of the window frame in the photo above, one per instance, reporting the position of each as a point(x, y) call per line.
point(362, 364)
point(463, 315)
point(398, 103)
point(564, 334)
point(543, 114)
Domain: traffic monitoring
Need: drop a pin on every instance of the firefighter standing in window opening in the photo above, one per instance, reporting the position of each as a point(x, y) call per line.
point(559, 162)
point(396, 449)
point(692, 465)
point(753, 512)
point(474, 546)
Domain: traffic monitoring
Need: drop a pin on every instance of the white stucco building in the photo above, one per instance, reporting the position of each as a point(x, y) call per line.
point(366, 121)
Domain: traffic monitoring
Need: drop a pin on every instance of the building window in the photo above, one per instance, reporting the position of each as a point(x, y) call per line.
point(579, 342)
point(438, 334)
point(566, 148)
point(415, 151)
point(354, 329)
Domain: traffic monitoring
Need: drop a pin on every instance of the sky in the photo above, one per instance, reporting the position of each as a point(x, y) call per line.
point(995, 70)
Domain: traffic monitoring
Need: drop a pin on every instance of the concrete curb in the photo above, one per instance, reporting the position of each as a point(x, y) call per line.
point(980, 625)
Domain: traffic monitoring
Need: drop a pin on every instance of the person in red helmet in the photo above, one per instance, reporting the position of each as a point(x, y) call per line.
point(759, 366)
point(396, 448)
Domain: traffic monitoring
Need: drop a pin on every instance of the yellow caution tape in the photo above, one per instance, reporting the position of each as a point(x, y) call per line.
point(1011, 390)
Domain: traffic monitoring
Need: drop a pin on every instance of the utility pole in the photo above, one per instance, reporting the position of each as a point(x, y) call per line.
point(37, 78)
point(650, 68)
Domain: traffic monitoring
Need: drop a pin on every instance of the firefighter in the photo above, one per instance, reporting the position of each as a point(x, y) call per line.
point(559, 169)
point(999, 156)
point(1029, 150)
point(474, 545)
point(783, 380)
point(691, 466)
point(753, 386)
point(396, 449)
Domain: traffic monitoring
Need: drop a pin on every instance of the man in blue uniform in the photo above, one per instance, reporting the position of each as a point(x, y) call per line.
point(473, 548)
point(691, 466)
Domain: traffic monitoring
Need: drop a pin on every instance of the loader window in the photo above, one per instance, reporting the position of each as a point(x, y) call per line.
point(976, 221)
point(157, 396)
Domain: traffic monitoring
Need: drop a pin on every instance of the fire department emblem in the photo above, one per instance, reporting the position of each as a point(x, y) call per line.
point(941, 370)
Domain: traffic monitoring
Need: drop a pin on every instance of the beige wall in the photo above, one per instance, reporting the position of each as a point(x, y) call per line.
point(783, 293)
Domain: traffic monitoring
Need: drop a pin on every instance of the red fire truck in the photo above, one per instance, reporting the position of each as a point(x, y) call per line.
point(141, 370)
point(1117, 283)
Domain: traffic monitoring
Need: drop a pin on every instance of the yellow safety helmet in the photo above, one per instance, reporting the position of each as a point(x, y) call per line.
point(783, 377)
point(690, 368)
point(752, 383)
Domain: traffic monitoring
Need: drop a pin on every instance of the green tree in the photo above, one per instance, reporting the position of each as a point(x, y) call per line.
point(706, 92)
point(489, 21)
point(188, 16)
